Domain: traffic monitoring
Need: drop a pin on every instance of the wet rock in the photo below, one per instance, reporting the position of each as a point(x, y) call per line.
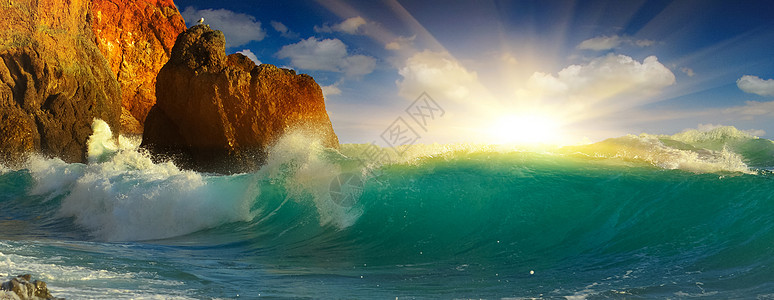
point(24, 288)
point(219, 113)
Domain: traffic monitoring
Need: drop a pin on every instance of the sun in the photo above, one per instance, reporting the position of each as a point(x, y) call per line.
point(526, 129)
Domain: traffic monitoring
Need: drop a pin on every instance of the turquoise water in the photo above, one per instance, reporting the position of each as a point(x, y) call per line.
point(636, 216)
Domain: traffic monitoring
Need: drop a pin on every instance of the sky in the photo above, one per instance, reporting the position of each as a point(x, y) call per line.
point(558, 72)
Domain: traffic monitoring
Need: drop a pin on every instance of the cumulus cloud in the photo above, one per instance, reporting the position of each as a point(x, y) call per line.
point(250, 55)
point(436, 73)
point(611, 77)
point(756, 85)
point(330, 90)
point(326, 55)
point(238, 28)
point(400, 42)
point(351, 25)
point(602, 43)
point(283, 30)
point(357, 65)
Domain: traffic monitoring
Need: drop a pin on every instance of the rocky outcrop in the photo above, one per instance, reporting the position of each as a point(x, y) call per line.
point(136, 38)
point(24, 288)
point(53, 79)
point(219, 113)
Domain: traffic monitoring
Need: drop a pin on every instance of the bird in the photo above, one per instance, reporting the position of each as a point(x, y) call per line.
point(201, 21)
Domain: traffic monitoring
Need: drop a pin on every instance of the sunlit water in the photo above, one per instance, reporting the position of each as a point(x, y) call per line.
point(637, 216)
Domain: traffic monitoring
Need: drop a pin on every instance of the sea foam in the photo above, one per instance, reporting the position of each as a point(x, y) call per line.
point(306, 169)
point(716, 150)
point(83, 282)
point(122, 195)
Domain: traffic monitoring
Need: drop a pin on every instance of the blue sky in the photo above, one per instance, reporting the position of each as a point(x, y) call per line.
point(517, 71)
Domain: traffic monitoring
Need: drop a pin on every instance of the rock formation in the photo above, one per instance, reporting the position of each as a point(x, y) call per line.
point(24, 288)
point(219, 113)
point(136, 37)
point(53, 79)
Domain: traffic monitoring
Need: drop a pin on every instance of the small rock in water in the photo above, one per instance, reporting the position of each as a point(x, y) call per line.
point(23, 287)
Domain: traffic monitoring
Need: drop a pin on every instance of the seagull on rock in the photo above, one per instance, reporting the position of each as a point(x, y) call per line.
point(201, 21)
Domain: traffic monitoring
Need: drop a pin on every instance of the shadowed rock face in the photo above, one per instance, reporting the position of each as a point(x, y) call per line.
point(136, 38)
point(53, 80)
point(218, 113)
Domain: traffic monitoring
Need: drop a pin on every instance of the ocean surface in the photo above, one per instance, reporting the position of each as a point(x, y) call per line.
point(639, 216)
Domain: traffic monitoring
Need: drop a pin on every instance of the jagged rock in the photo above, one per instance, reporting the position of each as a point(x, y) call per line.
point(53, 79)
point(219, 113)
point(136, 38)
point(24, 288)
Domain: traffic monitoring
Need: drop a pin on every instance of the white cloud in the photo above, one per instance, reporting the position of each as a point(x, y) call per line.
point(250, 55)
point(602, 43)
point(756, 85)
point(330, 90)
point(687, 71)
point(400, 43)
point(644, 43)
point(283, 30)
point(755, 132)
point(351, 25)
point(357, 65)
point(436, 73)
point(238, 28)
point(611, 77)
point(326, 55)
point(751, 109)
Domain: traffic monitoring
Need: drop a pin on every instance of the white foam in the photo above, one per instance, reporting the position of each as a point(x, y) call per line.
point(715, 134)
point(53, 176)
point(673, 155)
point(78, 282)
point(122, 195)
point(305, 168)
point(693, 160)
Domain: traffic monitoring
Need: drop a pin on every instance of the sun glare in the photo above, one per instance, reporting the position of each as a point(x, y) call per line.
point(526, 130)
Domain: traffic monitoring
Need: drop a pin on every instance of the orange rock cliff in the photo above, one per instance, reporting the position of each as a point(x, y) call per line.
point(53, 80)
point(136, 37)
point(65, 63)
point(219, 113)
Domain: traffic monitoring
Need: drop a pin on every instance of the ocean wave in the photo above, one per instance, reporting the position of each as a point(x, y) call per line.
point(693, 205)
point(724, 149)
point(122, 195)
